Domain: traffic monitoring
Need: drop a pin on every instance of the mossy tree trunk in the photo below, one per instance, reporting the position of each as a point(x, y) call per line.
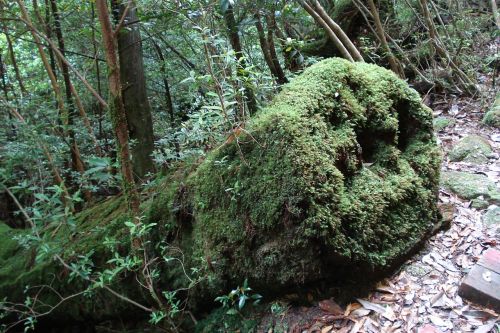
point(117, 108)
point(134, 94)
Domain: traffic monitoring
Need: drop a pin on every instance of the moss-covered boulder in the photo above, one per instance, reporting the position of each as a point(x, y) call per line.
point(339, 174)
point(471, 186)
point(472, 149)
point(337, 178)
point(492, 117)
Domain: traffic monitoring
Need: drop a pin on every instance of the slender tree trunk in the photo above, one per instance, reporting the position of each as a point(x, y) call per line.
point(3, 75)
point(135, 97)
point(13, 60)
point(168, 97)
point(356, 55)
point(117, 110)
point(331, 34)
point(234, 39)
point(265, 46)
point(496, 15)
point(393, 62)
point(48, 32)
point(271, 24)
point(76, 160)
point(46, 64)
point(100, 109)
point(291, 62)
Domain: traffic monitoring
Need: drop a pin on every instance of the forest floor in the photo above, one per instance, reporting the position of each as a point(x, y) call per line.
point(422, 296)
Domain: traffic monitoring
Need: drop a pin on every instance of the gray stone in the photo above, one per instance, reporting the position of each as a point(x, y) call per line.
point(472, 149)
point(418, 270)
point(471, 186)
point(480, 203)
point(492, 217)
point(492, 117)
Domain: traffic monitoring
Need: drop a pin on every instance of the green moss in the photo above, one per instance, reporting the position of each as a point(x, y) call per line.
point(472, 149)
point(471, 186)
point(338, 176)
point(492, 117)
point(292, 199)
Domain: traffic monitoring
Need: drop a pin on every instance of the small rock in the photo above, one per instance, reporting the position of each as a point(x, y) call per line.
point(492, 217)
point(492, 117)
point(480, 203)
point(418, 270)
point(471, 186)
point(472, 149)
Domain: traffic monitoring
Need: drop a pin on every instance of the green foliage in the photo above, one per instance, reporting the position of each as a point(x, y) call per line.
point(237, 298)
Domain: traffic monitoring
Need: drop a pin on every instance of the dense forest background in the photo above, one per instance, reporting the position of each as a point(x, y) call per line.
point(105, 98)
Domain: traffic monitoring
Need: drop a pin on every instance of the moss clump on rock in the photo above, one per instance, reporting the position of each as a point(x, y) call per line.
point(339, 176)
point(471, 186)
point(492, 117)
point(472, 149)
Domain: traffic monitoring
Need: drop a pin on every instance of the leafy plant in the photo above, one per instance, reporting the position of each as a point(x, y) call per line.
point(237, 298)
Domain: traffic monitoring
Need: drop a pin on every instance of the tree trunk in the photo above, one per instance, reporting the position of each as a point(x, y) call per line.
point(100, 109)
point(3, 74)
point(76, 160)
point(135, 97)
point(117, 109)
point(393, 62)
point(291, 60)
point(48, 68)
point(265, 46)
point(168, 97)
point(234, 38)
point(13, 60)
point(271, 24)
point(48, 32)
point(356, 55)
point(331, 34)
point(496, 15)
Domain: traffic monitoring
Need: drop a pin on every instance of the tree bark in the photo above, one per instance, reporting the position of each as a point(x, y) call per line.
point(264, 46)
point(168, 97)
point(135, 97)
point(496, 15)
point(76, 160)
point(271, 24)
point(13, 60)
point(356, 55)
point(46, 64)
point(331, 34)
point(117, 109)
point(393, 62)
point(234, 38)
point(100, 109)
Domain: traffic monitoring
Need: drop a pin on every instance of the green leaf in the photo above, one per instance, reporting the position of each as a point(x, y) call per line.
point(242, 301)
point(224, 5)
point(232, 312)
